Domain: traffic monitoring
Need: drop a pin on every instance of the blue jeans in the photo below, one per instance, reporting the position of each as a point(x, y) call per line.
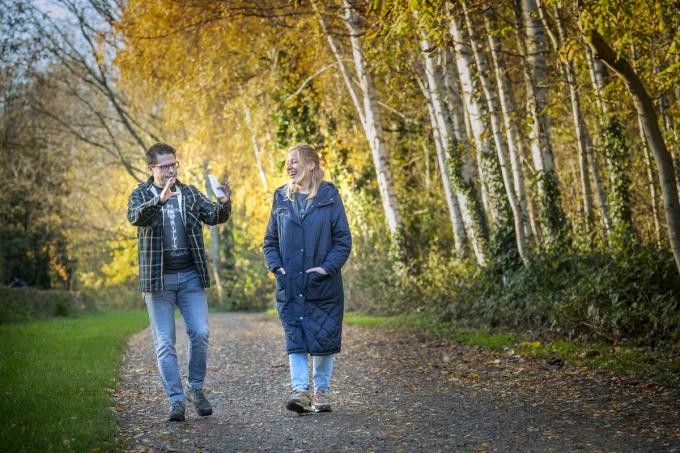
point(322, 367)
point(183, 290)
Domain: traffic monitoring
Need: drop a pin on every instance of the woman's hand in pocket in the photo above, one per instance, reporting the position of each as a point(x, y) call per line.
point(281, 271)
point(319, 270)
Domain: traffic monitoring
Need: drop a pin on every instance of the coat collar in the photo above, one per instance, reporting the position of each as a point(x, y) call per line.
point(325, 195)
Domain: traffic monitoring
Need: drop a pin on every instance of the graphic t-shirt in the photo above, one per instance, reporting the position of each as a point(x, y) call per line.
point(176, 253)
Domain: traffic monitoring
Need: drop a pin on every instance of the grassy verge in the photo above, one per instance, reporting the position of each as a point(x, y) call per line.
point(643, 363)
point(57, 378)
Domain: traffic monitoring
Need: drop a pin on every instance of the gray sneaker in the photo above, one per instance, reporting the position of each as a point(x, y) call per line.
point(201, 403)
point(300, 402)
point(176, 412)
point(322, 402)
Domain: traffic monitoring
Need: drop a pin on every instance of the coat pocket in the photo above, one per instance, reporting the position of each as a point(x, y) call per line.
point(321, 287)
point(280, 287)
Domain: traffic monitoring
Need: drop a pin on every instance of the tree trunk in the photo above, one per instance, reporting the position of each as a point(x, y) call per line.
point(649, 172)
point(502, 234)
point(215, 261)
point(534, 52)
point(647, 114)
point(493, 115)
point(569, 76)
point(453, 99)
point(651, 184)
point(256, 146)
point(508, 111)
point(617, 157)
point(594, 165)
point(373, 126)
point(369, 116)
point(462, 168)
point(443, 140)
point(346, 77)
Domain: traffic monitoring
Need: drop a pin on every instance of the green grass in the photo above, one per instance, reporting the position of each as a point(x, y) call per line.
point(643, 363)
point(57, 378)
point(430, 323)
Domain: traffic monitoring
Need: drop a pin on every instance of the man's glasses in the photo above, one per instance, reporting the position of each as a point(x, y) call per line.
point(168, 167)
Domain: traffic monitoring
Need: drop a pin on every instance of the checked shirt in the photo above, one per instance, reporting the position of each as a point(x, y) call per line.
point(144, 212)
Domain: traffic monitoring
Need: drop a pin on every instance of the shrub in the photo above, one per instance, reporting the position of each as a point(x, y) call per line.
point(23, 304)
point(631, 295)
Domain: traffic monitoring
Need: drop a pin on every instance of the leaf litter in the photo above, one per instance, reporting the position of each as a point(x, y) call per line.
point(393, 390)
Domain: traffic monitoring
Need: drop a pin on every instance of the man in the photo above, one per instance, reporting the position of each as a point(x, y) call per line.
point(173, 270)
point(18, 282)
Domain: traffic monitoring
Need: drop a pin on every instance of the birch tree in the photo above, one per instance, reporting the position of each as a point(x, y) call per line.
point(489, 95)
point(501, 229)
point(509, 112)
point(557, 39)
point(432, 93)
point(216, 263)
point(649, 171)
point(469, 206)
point(462, 167)
point(533, 47)
point(256, 146)
point(367, 110)
point(592, 159)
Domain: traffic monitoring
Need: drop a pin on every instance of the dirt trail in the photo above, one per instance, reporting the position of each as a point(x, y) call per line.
point(392, 391)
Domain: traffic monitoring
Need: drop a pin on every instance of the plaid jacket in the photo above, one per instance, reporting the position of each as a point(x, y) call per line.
point(144, 212)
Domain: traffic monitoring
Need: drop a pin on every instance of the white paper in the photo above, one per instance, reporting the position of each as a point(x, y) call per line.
point(216, 187)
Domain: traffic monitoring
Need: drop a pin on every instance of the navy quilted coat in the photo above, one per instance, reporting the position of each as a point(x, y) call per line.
point(310, 306)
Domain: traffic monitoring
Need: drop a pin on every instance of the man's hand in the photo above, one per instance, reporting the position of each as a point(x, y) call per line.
point(227, 192)
point(281, 270)
point(167, 192)
point(320, 270)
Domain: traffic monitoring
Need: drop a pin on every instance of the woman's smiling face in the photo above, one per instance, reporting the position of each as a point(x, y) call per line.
point(294, 166)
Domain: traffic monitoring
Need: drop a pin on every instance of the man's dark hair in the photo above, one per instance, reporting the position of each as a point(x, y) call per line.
point(157, 149)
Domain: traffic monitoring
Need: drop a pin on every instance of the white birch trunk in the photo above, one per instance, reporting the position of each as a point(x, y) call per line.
point(373, 126)
point(594, 166)
point(346, 77)
point(440, 140)
point(651, 184)
point(569, 76)
point(216, 263)
point(508, 111)
point(493, 115)
point(535, 72)
point(367, 110)
point(453, 98)
point(256, 146)
point(463, 168)
point(490, 171)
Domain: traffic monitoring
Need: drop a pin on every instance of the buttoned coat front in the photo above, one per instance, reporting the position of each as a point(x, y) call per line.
point(310, 305)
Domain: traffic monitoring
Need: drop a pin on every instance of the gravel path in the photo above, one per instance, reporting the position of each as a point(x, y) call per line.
point(393, 391)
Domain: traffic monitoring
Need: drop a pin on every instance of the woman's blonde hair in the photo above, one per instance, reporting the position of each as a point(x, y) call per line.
point(306, 153)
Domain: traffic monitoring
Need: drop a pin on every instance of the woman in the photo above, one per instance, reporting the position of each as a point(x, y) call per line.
point(306, 243)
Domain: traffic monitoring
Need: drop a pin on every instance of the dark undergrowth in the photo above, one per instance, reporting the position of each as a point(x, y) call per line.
point(627, 298)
